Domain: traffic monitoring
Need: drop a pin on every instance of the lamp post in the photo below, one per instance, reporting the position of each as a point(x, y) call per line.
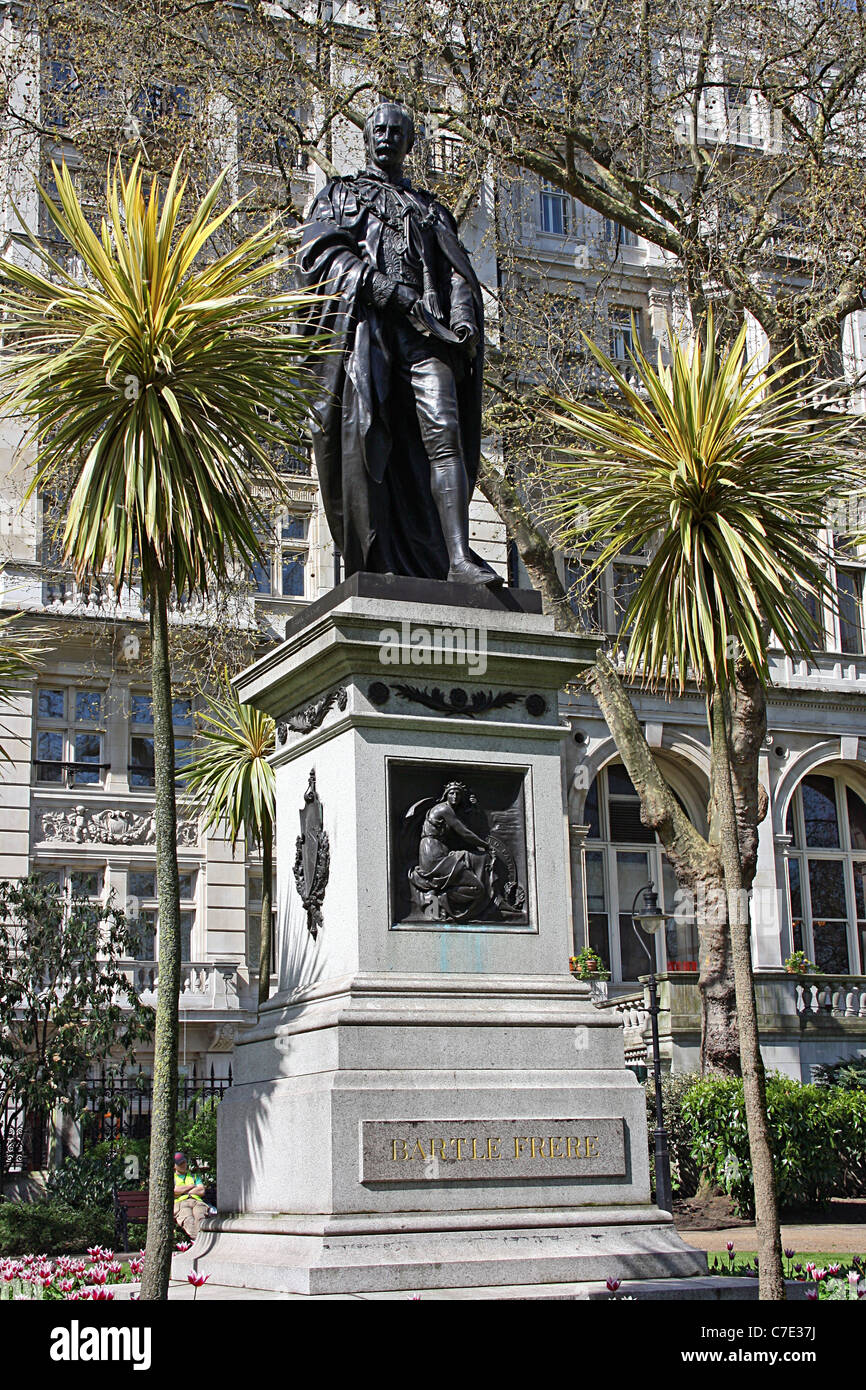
point(651, 920)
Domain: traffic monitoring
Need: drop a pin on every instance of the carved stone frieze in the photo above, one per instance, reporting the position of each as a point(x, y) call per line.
point(81, 825)
point(458, 701)
point(310, 718)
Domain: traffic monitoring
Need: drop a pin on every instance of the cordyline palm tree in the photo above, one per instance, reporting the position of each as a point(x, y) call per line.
point(714, 466)
point(231, 780)
point(158, 385)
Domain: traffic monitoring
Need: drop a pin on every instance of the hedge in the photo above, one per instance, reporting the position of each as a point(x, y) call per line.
point(818, 1135)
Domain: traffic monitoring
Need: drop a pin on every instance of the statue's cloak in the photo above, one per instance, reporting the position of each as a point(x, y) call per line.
point(373, 472)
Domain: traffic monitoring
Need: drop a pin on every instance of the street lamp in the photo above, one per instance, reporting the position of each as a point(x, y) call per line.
point(651, 920)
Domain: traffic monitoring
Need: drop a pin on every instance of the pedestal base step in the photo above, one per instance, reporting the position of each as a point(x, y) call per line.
point(702, 1289)
point(255, 1253)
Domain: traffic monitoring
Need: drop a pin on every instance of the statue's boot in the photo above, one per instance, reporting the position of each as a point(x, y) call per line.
point(450, 491)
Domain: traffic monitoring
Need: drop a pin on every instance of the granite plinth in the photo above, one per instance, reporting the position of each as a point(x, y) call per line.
point(461, 1029)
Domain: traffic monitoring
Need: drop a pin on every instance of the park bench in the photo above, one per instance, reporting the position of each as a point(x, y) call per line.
point(128, 1206)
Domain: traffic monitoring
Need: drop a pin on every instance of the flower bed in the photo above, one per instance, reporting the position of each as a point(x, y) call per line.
point(71, 1278)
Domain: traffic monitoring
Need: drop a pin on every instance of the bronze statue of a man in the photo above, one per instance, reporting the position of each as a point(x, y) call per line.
point(397, 433)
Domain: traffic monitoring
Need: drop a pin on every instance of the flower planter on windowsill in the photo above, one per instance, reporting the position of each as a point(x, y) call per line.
point(587, 972)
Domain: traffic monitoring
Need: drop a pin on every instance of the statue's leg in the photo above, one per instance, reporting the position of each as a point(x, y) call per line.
point(436, 406)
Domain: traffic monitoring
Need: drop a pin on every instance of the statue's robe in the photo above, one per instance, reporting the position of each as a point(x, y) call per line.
point(373, 472)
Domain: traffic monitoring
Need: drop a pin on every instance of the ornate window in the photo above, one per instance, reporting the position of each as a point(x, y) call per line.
point(70, 736)
point(622, 855)
point(616, 235)
point(624, 332)
point(446, 154)
point(827, 873)
point(554, 211)
point(847, 575)
point(284, 574)
point(602, 601)
point(78, 881)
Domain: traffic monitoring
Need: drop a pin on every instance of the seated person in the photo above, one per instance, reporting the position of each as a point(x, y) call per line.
point(190, 1208)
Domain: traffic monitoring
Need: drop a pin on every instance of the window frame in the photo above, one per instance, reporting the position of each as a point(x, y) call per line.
point(800, 852)
point(603, 590)
point(280, 549)
point(549, 197)
point(254, 913)
point(184, 731)
point(146, 905)
point(69, 726)
point(658, 871)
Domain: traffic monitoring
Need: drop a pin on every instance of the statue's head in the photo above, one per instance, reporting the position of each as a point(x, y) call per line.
point(455, 793)
point(389, 134)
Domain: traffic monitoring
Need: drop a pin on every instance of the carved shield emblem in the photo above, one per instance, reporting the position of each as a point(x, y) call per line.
point(312, 857)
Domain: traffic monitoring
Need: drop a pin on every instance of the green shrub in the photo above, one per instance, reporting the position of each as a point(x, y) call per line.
point(850, 1074)
point(817, 1134)
point(848, 1114)
point(197, 1137)
point(52, 1228)
point(85, 1181)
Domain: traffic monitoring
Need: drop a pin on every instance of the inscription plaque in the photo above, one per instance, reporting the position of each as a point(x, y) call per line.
point(437, 1150)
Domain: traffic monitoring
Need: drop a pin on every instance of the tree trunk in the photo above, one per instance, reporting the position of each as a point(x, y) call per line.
point(720, 1037)
point(771, 1279)
point(160, 1215)
point(696, 863)
point(267, 927)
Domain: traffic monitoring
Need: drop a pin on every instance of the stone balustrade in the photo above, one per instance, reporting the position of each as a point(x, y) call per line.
point(203, 984)
point(633, 1010)
point(803, 1019)
point(843, 996)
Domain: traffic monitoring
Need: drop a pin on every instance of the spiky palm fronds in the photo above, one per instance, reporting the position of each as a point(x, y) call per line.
point(721, 471)
point(229, 777)
point(157, 385)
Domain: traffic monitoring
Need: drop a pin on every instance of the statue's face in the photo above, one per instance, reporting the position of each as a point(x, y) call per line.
point(389, 138)
point(453, 797)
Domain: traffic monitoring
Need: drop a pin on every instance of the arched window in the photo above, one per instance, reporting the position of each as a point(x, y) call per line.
point(827, 873)
point(622, 855)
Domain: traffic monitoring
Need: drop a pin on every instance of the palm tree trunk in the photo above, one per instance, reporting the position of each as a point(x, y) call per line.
point(771, 1283)
point(160, 1216)
point(265, 947)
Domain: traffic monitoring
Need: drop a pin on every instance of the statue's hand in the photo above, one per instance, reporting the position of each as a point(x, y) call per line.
point(468, 335)
point(404, 299)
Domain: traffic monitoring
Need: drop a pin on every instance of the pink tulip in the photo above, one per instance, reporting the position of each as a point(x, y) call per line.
point(197, 1280)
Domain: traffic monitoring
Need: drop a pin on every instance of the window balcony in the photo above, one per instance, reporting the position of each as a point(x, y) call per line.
point(205, 986)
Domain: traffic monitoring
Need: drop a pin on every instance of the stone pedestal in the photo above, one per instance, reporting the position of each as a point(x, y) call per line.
point(430, 1100)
